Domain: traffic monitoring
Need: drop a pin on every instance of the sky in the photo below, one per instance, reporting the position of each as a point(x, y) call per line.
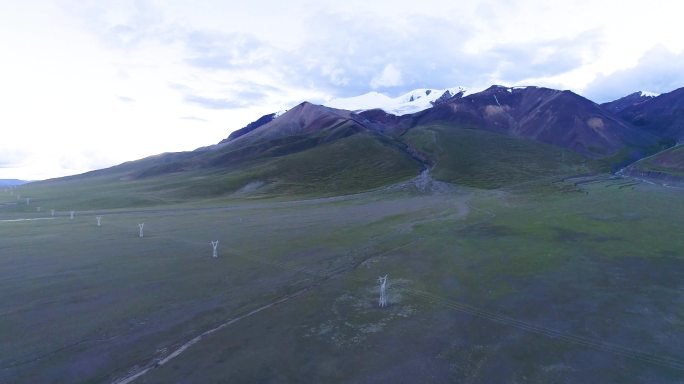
point(90, 84)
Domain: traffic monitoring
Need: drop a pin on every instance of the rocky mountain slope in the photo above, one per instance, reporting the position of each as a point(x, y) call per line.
point(560, 118)
point(662, 115)
point(633, 99)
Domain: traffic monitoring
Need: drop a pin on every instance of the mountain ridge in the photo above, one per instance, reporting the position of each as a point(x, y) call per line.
point(636, 98)
point(662, 115)
point(527, 131)
point(408, 103)
point(556, 117)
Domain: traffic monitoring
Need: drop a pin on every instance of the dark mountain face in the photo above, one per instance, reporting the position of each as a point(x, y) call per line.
point(446, 96)
point(631, 100)
point(250, 127)
point(662, 116)
point(378, 120)
point(304, 119)
point(560, 118)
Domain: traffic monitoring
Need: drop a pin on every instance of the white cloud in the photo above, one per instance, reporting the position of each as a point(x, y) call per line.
point(658, 70)
point(389, 77)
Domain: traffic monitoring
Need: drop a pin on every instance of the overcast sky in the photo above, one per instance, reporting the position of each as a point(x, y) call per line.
point(89, 84)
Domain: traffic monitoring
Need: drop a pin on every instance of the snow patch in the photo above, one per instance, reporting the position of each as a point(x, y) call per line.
point(649, 94)
point(410, 102)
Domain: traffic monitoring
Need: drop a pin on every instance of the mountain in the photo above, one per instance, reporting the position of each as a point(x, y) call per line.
point(499, 137)
point(662, 115)
point(633, 99)
point(560, 118)
point(408, 103)
point(301, 120)
point(302, 127)
point(11, 182)
point(309, 150)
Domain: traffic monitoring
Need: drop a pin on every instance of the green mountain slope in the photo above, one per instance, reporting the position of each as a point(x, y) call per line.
point(347, 165)
point(483, 159)
point(666, 166)
point(344, 159)
point(350, 164)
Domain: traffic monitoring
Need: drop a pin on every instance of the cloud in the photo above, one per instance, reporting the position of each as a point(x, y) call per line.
point(125, 24)
point(344, 50)
point(213, 103)
point(85, 159)
point(545, 58)
point(220, 51)
point(193, 118)
point(236, 95)
point(659, 70)
point(389, 77)
point(352, 54)
point(125, 99)
point(13, 157)
point(340, 53)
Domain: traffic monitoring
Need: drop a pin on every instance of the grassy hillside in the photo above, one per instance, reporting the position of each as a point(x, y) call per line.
point(666, 165)
point(352, 164)
point(348, 165)
point(483, 159)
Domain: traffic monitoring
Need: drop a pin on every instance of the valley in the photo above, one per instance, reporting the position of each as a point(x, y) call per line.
point(568, 281)
point(352, 192)
point(514, 252)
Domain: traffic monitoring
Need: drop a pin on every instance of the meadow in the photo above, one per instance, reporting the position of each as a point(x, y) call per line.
point(578, 280)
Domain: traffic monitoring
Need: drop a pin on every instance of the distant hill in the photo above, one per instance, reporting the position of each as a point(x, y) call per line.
point(11, 182)
point(666, 167)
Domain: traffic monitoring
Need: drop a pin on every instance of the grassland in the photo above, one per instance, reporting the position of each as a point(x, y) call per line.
point(482, 159)
point(578, 281)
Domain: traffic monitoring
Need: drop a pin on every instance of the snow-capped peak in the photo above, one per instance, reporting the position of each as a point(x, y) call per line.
point(410, 102)
point(368, 100)
point(648, 94)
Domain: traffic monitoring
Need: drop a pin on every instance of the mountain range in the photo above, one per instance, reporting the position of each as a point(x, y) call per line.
point(497, 137)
